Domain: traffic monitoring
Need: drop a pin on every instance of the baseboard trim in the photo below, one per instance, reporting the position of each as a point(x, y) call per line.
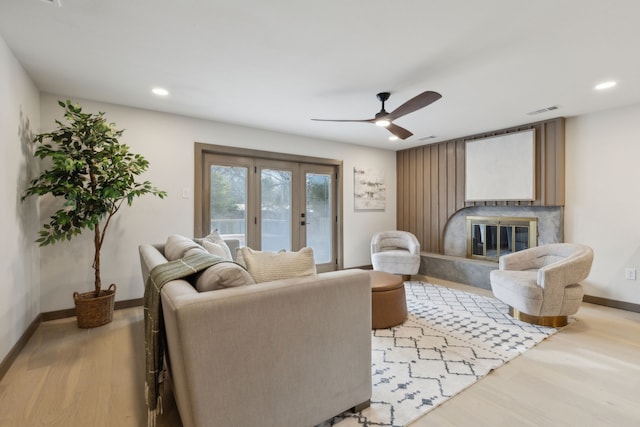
point(17, 348)
point(58, 314)
point(622, 305)
point(361, 267)
point(70, 312)
point(136, 302)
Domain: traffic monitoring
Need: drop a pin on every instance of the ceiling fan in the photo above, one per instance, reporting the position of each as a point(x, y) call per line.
point(384, 119)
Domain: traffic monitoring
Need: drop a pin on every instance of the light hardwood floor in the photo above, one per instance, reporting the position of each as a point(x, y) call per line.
point(588, 374)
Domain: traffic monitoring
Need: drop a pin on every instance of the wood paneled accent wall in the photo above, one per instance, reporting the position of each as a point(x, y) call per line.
point(431, 181)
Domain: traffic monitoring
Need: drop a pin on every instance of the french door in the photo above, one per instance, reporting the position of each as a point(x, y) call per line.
point(272, 205)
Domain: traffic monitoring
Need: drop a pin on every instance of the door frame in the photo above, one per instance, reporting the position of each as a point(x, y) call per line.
point(202, 149)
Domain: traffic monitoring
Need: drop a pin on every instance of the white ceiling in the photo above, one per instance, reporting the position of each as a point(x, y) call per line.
point(276, 64)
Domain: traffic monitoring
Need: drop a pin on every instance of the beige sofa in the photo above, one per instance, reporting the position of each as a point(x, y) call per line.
point(292, 352)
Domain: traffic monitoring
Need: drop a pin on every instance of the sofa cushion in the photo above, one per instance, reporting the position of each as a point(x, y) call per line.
point(215, 244)
point(194, 250)
point(217, 249)
point(177, 246)
point(268, 266)
point(223, 275)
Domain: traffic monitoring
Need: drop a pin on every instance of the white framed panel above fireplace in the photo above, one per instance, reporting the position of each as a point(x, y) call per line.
point(501, 168)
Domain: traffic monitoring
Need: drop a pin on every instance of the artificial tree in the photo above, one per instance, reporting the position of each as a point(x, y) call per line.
point(94, 174)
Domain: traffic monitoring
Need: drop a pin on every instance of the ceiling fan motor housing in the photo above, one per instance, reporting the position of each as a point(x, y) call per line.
point(383, 96)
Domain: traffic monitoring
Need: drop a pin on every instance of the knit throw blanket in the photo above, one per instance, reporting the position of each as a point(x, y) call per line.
point(154, 334)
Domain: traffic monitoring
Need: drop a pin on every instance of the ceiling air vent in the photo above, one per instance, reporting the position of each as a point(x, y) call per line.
point(543, 110)
point(425, 138)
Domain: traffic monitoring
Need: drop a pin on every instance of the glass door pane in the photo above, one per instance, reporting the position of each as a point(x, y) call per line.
point(478, 240)
point(319, 216)
point(276, 209)
point(228, 201)
point(522, 238)
point(319, 213)
point(492, 241)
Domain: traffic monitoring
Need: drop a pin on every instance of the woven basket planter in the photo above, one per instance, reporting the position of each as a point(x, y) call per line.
point(93, 311)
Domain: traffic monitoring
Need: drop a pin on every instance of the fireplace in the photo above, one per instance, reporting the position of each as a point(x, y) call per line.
point(489, 237)
point(457, 264)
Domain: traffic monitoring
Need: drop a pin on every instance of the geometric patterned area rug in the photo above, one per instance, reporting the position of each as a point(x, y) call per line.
point(450, 340)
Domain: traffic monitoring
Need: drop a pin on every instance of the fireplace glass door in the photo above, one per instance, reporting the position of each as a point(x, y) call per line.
point(491, 237)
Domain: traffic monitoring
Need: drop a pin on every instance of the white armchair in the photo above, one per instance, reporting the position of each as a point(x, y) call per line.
point(395, 252)
point(540, 284)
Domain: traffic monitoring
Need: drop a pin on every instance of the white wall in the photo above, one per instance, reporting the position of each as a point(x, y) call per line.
point(603, 197)
point(19, 272)
point(167, 141)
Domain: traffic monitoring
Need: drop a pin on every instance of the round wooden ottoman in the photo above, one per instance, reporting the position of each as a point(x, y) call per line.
point(388, 301)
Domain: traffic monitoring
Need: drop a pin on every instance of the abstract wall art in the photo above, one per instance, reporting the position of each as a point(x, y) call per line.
point(368, 189)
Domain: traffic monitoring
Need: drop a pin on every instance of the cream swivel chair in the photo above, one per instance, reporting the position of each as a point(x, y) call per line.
point(395, 252)
point(540, 284)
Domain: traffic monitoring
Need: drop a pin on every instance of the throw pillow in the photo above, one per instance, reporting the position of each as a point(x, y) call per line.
point(268, 266)
point(223, 275)
point(193, 251)
point(215, 244)
point(177, 246)
point(239, 257)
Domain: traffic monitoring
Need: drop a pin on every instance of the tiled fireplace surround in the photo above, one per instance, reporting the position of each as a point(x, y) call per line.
point(455, 266)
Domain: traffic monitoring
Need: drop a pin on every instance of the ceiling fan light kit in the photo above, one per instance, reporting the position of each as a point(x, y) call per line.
point(384, 119)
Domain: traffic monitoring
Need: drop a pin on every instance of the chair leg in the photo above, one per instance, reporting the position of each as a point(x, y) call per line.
point(552, 321)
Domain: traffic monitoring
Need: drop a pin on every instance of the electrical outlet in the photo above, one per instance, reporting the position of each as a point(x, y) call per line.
point(630, 273)
point(186, 193)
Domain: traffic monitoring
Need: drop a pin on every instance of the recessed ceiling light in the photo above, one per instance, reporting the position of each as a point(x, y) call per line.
point(160, 91)
point(393, 138)
point(605, 85)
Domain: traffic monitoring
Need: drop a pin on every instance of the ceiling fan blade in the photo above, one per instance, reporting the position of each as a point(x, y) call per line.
point(398, 131)
point(357, 121)
point(414, 104)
